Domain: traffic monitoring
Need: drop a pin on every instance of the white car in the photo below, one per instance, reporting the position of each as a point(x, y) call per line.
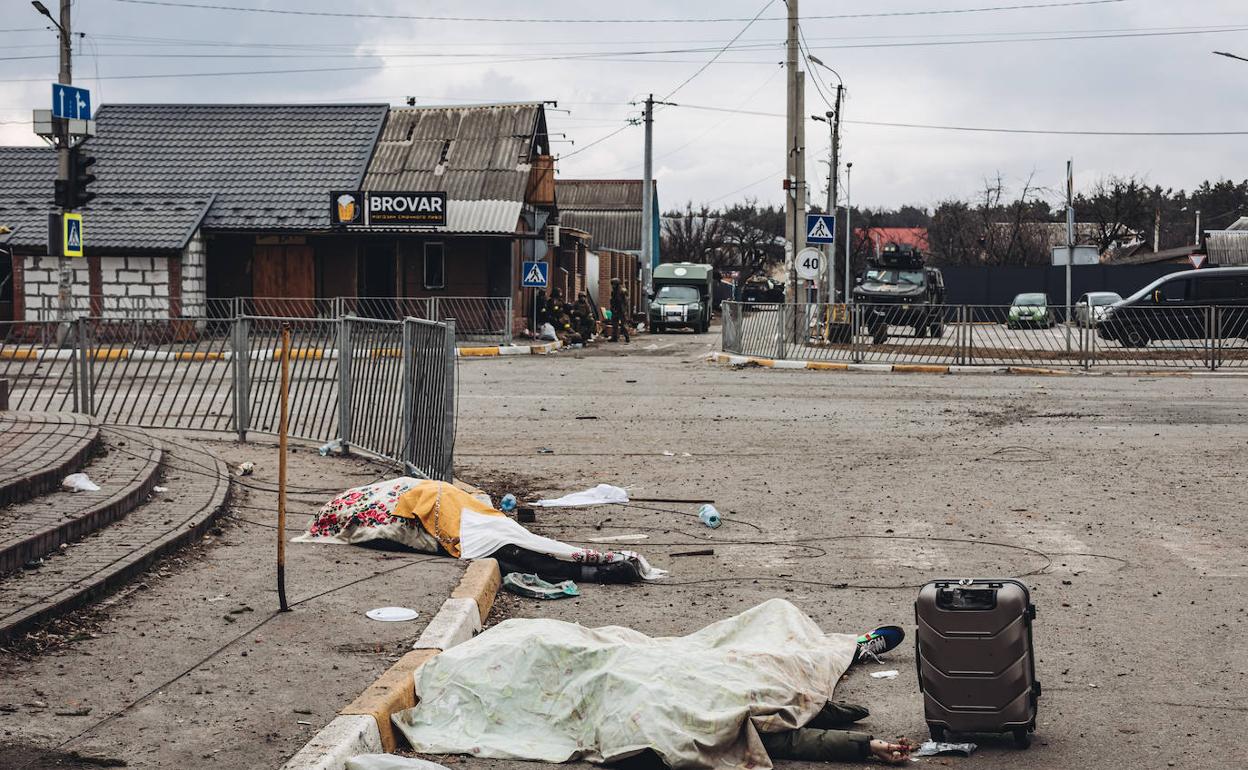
point(1091, 307)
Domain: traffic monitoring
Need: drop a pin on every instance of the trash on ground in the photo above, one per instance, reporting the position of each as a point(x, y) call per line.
point(587, 417)
point(603, 494)
point(526, 514)
point(771, 665)
point(534, 587)
point(508, 503)
point(545, 451)
point(246, 469)
point(160, 489)
point(884, 674)
point(82, 711)
point(547, 333)
point(667, 453)
point(391, 762)
point(439, 518)
point(709, 516)
point(618, 538)
point(79, 482)
point(934, 749)
point(331, 446)
point(392, 614)
point(703, 552)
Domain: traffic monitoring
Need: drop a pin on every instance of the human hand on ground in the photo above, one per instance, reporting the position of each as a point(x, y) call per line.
point(891, 753)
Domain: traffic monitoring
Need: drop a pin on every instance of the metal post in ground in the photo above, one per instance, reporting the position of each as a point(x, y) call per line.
point(1212, 319)
point(448, 395)
point(283, 427)
point(507, 322)
point(780, 330)
point(345, 358)
point(242, 377)
point(84, 401)
point(969, 312)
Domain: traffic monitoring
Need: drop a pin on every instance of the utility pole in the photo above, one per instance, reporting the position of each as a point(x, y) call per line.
point(849, 229)
point(64, 291)
point(1070, 239)
point(834, 173)
point(647, 199)
point(795, 152)
point(1197, 227)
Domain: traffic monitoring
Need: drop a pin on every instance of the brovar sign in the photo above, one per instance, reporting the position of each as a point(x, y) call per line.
point(387, 209)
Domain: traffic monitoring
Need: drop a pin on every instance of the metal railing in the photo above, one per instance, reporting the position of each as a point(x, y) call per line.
point(384, 387)
point(1209, 337)
point(477, 319)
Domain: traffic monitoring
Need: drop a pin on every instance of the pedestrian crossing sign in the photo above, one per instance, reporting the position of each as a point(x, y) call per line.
point(534, 275)
point(71, 225)
point(820, 228)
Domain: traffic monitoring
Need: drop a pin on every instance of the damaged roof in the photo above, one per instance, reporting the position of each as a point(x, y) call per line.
point(610, 210)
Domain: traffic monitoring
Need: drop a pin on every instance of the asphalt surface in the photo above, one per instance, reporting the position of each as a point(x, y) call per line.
point(1117, 499)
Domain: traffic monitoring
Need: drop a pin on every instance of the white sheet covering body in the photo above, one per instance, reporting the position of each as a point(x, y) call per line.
point(552, 691)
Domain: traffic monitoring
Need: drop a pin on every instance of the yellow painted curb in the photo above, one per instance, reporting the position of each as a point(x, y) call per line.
point(199, 355)
point(108, 354)
point(920, 369)
point(827, 366)
point(19, 354)
point(386, 353)
point(300, 354)
point(1039, 371)
point(393, 691)
point(478, 352)
point(480, 583)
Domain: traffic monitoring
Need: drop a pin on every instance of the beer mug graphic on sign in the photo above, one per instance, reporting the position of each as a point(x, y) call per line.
point(346, 208)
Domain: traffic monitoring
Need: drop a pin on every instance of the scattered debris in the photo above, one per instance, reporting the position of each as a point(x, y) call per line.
point(81, 711)
point(246, 469)
point(603, 494)
point(667, 453)
point(618, 538)
point(391, 762)
point(79, 482)
point(709, 516)
point(934, 749)
point(160, 489)
point(526, 515)
point(534, 587)
point(703, 552)
point(587, 417)
point(392, 614)
point(545, 451)
point(890, 674)
point(508, 503)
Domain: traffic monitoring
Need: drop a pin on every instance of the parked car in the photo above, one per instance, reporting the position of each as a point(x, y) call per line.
point(1030, 310)
point(1091, 307)
point(1177, 307)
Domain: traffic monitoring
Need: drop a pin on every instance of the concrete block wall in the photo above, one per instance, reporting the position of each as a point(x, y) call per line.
point(41, 283)
point(130, 287)
point(194, 277)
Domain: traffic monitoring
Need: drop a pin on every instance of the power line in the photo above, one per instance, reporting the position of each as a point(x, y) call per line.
point(771, 175)
point(559, 20)
point(616, 132)
point(721, 51)
point(978, 129)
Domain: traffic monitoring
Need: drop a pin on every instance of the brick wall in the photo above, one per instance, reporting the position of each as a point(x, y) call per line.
point(130, 287)
point(194, 277)
point(40, 283)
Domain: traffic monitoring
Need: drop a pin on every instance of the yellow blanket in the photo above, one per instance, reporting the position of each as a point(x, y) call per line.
point(438, 506)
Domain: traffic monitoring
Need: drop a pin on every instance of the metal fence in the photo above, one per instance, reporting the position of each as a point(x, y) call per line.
point(1208, 337)
point(384, 387)
point(477, 319)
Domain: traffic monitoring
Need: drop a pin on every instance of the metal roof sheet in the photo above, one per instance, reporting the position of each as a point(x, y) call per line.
point(472, 153)
point(617, 230)
point(116, 223)
point(1227, 247)
point(600, 194)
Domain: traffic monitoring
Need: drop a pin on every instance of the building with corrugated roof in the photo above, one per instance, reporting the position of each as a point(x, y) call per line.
point(611, 212)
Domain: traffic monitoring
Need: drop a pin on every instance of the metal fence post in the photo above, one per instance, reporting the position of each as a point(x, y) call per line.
point(1213, 318)
point(242, 375)
point(408, 380)
point(507, 321)
point(346, 354)
point(448, 404)
point(85, 400)
point(968, 312)
point(855, 323)
point(780, 330)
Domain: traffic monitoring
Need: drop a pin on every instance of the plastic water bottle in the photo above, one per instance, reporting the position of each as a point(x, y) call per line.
point(509, 503)
point(332, 446)
point(709, 516)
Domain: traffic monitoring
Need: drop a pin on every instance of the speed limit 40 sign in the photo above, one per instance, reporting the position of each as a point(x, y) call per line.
point(809, 263)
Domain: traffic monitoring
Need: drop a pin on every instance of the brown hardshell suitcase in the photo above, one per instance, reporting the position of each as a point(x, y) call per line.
point(977, 666)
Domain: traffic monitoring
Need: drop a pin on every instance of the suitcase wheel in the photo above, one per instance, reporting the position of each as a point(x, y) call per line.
point(938, 732)
point(1022, 737)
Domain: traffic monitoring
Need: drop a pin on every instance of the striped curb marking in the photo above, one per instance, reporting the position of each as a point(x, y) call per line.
point(832, 366)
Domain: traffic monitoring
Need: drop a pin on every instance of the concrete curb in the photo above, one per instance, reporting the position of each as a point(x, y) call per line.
point(731, 359)
point(491, 351)
point(364, 726)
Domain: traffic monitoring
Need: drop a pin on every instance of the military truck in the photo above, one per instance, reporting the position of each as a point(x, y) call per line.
point(897, 289)
point(683, 293)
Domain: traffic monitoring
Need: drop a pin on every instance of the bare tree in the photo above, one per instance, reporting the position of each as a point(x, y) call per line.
point(692, 236)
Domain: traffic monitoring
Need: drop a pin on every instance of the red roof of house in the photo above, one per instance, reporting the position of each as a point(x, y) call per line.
point(902, 236)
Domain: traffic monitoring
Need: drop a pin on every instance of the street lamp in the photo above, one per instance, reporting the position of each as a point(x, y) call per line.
point(43, 9)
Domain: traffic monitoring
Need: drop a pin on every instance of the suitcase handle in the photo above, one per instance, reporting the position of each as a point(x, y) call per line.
point(965, 598)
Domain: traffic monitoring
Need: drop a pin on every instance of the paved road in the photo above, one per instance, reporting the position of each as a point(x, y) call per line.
point(1118, 498)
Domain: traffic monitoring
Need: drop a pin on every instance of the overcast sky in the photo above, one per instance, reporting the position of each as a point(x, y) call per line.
point(1148, 80)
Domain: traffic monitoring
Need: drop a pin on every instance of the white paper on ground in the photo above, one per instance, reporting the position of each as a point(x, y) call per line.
point(884, 674)
point(78, 482)
point(391, 762)
point(603, 494)
point(618, 538)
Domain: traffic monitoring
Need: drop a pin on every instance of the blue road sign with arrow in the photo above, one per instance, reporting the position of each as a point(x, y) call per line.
point(70, 102)
point(820, 228)
point(535, 275)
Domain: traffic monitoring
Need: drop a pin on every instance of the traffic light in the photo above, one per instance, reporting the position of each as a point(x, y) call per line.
point(80, 177)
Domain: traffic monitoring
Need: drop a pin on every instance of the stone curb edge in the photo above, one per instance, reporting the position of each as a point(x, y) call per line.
point(731, 359)
point(490, 351)
point(364, 726)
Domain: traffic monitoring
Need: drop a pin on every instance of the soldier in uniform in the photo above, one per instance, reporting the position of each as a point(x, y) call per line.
point(583, 316)
point(619, 311)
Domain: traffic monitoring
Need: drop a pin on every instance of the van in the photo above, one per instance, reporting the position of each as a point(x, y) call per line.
point(683, 295)
point(1175, 307)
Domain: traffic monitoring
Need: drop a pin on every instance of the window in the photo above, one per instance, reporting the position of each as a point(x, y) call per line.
point(1220, 289)
point(1173, 291)
point(435, 266)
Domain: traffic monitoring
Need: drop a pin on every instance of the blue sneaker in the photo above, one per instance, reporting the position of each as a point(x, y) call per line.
point(877, 642)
